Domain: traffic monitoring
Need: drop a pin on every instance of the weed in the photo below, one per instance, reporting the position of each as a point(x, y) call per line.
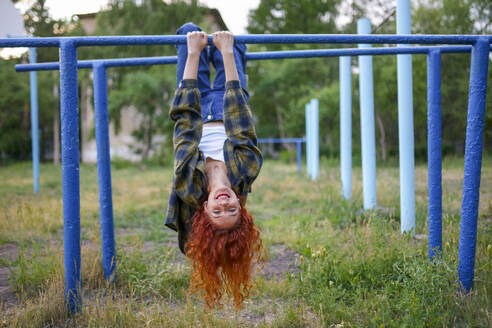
point(356, 268)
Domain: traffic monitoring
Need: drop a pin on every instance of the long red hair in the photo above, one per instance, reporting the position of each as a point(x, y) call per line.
point(223, 260)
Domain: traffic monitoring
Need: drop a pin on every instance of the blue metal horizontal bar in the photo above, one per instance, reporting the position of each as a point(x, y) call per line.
point(253, 56)
point(116, 62)
point(357, 38)
point(250, 39)
point(353, 52)
point(29, 42)
point(140, 61)
point(281, 140)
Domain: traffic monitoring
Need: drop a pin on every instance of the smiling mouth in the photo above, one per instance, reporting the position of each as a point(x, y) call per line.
point(223, 196)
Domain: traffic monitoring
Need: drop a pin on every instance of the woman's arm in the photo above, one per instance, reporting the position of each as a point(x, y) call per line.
point(224, 41)
point(186, 113)
point(242, 155)
point(196, 41)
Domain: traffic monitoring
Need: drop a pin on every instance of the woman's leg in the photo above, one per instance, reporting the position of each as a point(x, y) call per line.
point(240, 59)
point(203, 79)
point(218, 90)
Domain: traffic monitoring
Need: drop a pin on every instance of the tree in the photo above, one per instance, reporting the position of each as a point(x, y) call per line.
point(285, 86)
point(147, 92)
point(282, 88)
point(14, 104)
point(14, 112)
point(452, 17)
point(290, 16)
point(38, 22)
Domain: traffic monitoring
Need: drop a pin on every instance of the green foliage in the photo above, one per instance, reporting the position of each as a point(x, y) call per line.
point(290, 16)
point(152, 274)
point(288, 156)
point(123, 17)
point(282, 88)
point(33, 267)
point(151, 17)
point(404, 288)
point(149, 92)
point(38, 22)
point(345, 267)
point(14, 112)
point(448, 17)
point(119, 163)
point(15, 130)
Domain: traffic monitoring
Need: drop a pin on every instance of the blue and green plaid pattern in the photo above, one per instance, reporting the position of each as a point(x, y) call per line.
point(243, 158)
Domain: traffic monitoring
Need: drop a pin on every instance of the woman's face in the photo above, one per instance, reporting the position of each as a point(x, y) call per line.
point(223, 208)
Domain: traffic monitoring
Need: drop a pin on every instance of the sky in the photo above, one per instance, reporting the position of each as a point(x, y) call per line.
point(234, 12)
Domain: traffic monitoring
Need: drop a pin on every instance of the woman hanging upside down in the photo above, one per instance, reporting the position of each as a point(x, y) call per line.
point(216, 160)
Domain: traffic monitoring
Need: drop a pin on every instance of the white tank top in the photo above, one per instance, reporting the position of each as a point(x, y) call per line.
point(212, 142)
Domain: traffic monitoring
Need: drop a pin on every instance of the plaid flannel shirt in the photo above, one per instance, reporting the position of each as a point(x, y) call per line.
point(242, 157)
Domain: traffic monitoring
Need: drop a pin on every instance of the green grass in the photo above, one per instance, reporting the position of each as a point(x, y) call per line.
point(355, 268)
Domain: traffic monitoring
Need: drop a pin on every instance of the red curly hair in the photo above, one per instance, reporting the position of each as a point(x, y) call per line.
point(223, 260)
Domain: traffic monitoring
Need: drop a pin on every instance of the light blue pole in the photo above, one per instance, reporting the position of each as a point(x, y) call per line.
point(434, 157)
point(405, 123)
point(70, 173)
point(346, 127)
point(308, 141)
point(34, 121)
point(299, 156)
point(473, 161)
point(104, 171)
point(315, 137)
point(368, 139)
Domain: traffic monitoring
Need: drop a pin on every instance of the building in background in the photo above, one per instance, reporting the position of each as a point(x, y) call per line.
point(11, 25)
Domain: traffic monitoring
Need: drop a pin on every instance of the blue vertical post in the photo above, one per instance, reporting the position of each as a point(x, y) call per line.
point(299, 156)
point(473, 161)
point(34, 121)
point(346, 126)
point(104, 171)
point(70, 173)
point(434, 157)
point(315, 137)
point(308, 141)
point(405, 123)
point(368, 139)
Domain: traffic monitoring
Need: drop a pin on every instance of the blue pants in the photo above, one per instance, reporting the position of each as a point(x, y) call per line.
point(212, 97)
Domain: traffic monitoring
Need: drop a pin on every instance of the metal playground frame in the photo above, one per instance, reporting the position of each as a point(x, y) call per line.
point(478, 45)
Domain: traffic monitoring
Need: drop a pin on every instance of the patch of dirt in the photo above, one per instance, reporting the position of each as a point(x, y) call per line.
point(252, 319)
point(282, 261)
point(486, 221)
point(256, 316)
point(123, 232)
point(7, 298)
